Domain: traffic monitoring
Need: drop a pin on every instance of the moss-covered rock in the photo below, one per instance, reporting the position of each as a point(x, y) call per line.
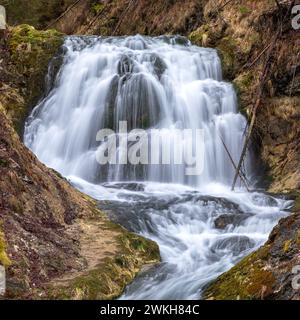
point(244, 84)
point(228, 51)
point(4, 259)
point(296, 206)
point(108, 280)
point(266, 273)
point(200, 37)
point(30, 51)
point(247, 280)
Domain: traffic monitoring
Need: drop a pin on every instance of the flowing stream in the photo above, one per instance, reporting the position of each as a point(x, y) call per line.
point(166, 84)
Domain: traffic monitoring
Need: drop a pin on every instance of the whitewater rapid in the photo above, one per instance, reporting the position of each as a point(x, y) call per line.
point(202, 227)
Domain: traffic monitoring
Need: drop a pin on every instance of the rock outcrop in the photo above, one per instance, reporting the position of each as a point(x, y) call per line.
point(267, 273)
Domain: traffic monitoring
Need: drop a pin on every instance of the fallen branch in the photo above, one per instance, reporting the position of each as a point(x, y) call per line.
point(257, 58)
point(243, 179)
point(294, 74)
point(100, 13)
point(225, 4)
point(256, 105)
point(63, 14)
point(122, 16)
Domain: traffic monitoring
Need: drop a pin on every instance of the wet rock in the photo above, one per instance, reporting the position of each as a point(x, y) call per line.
point(235, 244)
point(142, 110)
point(134, 186)
point(125, 66)
point(110, 105)
point(225, 220)
point(266, 273)
point(158, 65)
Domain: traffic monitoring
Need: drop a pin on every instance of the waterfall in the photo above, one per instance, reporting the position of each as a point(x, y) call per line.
point(166, 84)
point(150, 83)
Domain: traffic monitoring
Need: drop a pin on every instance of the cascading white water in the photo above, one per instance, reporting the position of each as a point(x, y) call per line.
point(163, 83)
point(149, 83)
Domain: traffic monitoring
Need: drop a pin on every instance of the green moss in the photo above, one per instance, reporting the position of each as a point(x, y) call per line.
point(244, 81)
point(298, 238)
point(4, 259)
point(244, 10)
point(227, 48)
point(97, 7)
point(199, 37)
point(244, 85)
point(296, 206)
point(102, 283)
point(3, 163)
point(287, 246)
point(245, 281)
point(26, 34)
point(30, 53)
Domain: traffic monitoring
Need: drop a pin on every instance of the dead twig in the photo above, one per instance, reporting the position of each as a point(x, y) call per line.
point(294, 74)
point(63, 14)
point(122, 16)
point(243, 179)
point(99, 14)
point(255, 107)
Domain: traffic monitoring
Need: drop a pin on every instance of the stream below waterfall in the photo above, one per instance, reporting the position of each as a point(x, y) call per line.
point(164, 83)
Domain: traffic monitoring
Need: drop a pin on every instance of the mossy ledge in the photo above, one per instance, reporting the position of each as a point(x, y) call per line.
point(29, 53)
point(266, 273)
point(248, 280)
point(108, 280)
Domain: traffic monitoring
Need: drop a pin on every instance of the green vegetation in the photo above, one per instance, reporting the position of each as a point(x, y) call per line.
point(108, 280)
point(26, 37)
point(3, 163)
point(296, 206)
point(244, 10)
point(287, 246)
point(227, 48)
point(200, 36)
point(97, 7)
point(246, 281)
point(4, 259)
point(30, 53)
